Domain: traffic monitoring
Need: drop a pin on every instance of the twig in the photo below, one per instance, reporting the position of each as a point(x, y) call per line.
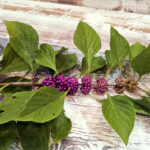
point(16, 83)
point(7, 84)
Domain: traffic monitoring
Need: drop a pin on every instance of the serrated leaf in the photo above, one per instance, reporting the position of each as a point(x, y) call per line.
point(24, 40)
point(46, 56)
point(135, 50)
point(111, 61)
point(60, 51)
point(34, 136)
point(119, 47)
point(120, 114)
point(97, 63)
point(87, 40)
point(8, 133)
point(11, 107)
point(45, 105)
point(39, 106)
point(141, 63)
point(65, 62)
point(141, 106)
point(60, 127)
point(140, 109)
point(12, 62)
point(144, 102)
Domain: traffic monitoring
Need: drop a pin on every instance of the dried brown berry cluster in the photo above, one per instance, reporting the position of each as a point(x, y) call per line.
point(121, 85)
point(131, 84)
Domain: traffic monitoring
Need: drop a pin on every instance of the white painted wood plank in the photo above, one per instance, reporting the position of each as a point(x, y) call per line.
point(58, 22)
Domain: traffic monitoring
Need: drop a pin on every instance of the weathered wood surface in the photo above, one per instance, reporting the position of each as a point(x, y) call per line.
point(56, 24)
point(137, 6)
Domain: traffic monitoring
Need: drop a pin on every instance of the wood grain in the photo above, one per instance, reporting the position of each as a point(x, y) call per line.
point(56, 23)
point(137, 6)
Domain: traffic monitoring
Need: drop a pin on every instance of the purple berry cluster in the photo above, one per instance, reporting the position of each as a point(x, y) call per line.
point(73, 84)
point(61, 83)
point(102, 85)
point(86, 85)
point(49, 81)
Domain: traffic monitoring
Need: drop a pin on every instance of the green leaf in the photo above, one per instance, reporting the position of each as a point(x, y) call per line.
point(24, 40)
point(65, 62)
point(11, 89)
point(87, 40)
point(135, 50)
point(60, 51)
point(141, 63)
point(141, 106)
point(34, 136)
point(46, 56)
point(45, 105)
point(119, 47)
point(8, 133)
point(60, 127)
point(111, 61)
point(15, 79)
point(140, 109)
point(12, 62)
point(39, 106)
point(144, 102)
point(120, 114)
point(13, 106)
point(97, 62)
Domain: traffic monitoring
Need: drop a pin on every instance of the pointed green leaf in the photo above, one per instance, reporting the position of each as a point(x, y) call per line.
point(60, 127)
point(120, 114)
point(144, 102)
point(11, 107)
point(97, 63)
point(140, 109)
point(65, 62)
point(45, 105)
point(60, 51)
point(119, 47)
point(135, 50)
point(40, 106)
point(86, 39)
point(12, 62)
point(8, 132)
point(46, 56)
point(111, 61)
point(24, 40)
point(141, 63)
point(34, 136)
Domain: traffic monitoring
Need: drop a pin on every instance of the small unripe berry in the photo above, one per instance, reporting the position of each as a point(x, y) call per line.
point(131, 84)
point(119, 87)
point(102, 85)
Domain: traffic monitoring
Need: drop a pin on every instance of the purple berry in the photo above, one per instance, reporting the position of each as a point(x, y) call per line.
point(61, 83)
point(86, 85)
point(35, 75)
point(102, 85)
point(73, 84)
point(48, 81)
